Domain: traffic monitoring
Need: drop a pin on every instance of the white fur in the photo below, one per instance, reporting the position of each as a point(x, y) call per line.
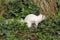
point(31, 18)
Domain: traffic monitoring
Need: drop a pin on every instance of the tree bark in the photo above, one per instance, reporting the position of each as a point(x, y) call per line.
point(3, 7)
point(47, 7)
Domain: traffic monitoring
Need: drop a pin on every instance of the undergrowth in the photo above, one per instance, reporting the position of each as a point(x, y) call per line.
point(12, 29)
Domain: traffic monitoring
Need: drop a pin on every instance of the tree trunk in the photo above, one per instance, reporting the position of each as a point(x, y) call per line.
point(3, 7)
point(47, 7)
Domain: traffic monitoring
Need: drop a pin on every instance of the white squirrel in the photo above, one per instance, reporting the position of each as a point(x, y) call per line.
point(31, 18)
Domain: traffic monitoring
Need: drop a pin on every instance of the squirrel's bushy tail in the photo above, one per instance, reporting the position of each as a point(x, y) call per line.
point(22, 20)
